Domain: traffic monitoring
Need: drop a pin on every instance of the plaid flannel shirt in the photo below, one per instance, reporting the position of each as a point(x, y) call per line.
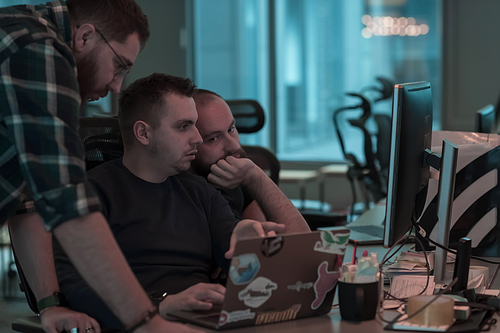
point(40, 150)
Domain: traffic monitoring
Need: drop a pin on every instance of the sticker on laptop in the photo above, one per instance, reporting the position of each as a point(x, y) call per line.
point(257, 292)
point(271, 246)
point(232, 317)
point(298, 286)
point(333, 243)
point(244, 268)
point(277, 316)
point(326, 282)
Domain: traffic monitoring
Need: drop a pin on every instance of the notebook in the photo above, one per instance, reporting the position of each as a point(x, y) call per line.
point(277, 279)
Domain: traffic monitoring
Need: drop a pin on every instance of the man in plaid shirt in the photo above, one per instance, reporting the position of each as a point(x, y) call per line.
point(53, 58)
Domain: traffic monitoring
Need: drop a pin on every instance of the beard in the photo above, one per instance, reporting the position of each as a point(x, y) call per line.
point(202, 168)
point(87, 76)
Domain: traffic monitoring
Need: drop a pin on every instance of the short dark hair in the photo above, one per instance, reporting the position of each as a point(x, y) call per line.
point(203, 96)
point(144, 99)
point(115, 19)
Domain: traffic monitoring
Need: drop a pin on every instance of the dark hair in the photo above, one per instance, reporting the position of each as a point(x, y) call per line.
point(145, 98)
point(115, 19)
point(203, 96)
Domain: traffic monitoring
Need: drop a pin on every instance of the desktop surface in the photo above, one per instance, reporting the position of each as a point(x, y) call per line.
point(332, 322)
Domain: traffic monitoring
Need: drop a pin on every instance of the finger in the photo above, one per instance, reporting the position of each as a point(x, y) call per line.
point(223, 164)
point(271, 226)
point(210, 296)
point(232, 244)
point(271, 233)
point(199, 305)
point(95, 325)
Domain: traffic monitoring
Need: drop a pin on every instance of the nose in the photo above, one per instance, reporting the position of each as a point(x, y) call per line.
point(115, 84)
point(197, 140)
point(231, 144)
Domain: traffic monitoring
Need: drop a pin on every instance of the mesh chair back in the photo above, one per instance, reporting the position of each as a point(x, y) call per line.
point(265, 159)
point(248, 114)
point(102, 140)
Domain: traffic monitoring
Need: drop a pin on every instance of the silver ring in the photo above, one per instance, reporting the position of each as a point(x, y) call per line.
point(74, 330)
point(88, 329)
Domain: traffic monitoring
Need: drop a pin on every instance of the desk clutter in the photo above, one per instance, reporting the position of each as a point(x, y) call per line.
point(423, 304)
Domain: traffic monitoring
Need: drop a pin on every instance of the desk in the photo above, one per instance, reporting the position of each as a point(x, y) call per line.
point(301, 177)
point(334, 323)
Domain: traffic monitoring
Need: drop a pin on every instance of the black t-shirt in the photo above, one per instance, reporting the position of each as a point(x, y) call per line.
point(238, 198)
point(171, 233)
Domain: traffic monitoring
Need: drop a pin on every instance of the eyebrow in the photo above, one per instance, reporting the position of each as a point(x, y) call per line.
point(127, 61)
point(183, 122)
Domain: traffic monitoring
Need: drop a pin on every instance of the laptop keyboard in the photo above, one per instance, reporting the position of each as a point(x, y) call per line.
point(371, 230)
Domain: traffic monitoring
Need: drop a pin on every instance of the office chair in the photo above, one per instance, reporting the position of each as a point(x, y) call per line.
point(485, 120)
point(265, 159)
point(102, 140)
point(248, 114)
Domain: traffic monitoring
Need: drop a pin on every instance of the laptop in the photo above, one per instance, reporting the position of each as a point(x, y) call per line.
point(276, 279)
point(368, 228)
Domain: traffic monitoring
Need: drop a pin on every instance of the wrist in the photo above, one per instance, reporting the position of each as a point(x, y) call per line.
point(57, 299)
point(144, 320)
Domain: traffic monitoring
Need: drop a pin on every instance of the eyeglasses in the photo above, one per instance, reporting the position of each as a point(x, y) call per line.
point(124, 70)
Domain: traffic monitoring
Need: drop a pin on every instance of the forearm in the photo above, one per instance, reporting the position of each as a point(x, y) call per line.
point(274, 203)
point(90, 245)
point(33, 246)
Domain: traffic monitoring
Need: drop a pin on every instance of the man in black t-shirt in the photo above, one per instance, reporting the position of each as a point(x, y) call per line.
point(221, 160)
point(171, 225)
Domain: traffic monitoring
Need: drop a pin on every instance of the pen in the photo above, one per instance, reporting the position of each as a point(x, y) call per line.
point(354, 252)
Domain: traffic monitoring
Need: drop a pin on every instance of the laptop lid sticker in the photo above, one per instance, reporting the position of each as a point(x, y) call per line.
point(325, 283)
point(333, 243)
point(257, 292)
point(234, 316)
point(244, 268)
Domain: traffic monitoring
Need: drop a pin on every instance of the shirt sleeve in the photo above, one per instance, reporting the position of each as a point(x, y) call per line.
point(41, 117)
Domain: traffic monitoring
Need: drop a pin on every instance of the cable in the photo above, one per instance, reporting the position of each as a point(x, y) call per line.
point(441, 292)
point(424, 235)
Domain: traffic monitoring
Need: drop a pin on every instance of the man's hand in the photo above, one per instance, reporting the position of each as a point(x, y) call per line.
point(58, 319)
point(232, 172)
point(251, 228)
point(201, 296)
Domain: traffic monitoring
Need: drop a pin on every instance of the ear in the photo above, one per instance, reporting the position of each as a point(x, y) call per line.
point(84, 37)
point(142, 132)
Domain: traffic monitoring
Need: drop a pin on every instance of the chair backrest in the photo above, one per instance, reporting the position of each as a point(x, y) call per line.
point(23, 284)
point(266, 160)
point(102, 140)
point(248, 114)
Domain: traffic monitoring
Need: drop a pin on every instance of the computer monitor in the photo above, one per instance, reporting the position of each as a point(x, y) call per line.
point(485, 120)
point(411, 134)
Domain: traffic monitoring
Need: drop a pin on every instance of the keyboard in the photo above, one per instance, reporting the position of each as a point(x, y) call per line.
point(372, 230)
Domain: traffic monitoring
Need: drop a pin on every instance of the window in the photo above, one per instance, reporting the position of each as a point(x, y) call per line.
point(321, 50)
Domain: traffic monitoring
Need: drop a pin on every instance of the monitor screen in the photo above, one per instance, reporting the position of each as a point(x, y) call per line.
point(485, 120)
point(411, 134)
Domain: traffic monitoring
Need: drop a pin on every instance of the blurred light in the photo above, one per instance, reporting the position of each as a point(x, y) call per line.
point(387, 22)
point(424, 29)
point(392, 26)
point(366, 33)
point(366, 19)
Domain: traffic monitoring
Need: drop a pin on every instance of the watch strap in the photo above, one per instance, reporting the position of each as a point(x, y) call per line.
point(56, 299)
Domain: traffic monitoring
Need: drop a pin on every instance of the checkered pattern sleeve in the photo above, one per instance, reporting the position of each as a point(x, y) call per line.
point(40, 102)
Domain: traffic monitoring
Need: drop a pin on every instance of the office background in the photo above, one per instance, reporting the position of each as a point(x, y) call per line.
point(298, 58)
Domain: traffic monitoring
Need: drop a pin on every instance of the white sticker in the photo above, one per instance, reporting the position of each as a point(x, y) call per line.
point(232, 317)
point(257, 292)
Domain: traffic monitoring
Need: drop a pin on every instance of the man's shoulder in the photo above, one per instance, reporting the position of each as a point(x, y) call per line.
point(106, 170)
point(26, 24)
